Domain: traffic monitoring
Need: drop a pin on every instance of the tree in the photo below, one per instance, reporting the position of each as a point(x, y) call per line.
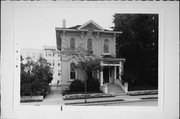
point(87, 61)
point(35, 77)
point(138, 44)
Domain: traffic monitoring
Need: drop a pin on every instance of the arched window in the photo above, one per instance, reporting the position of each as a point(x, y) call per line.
point(72, 71)
point(106, 46)
point(89, 45)
point(72, 44)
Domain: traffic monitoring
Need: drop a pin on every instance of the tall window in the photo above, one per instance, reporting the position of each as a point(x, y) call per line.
point(50, 63)
point(72, 44)
point(49, 53)
point(46, 54)
point(53, 62)
point(59, 72)
point(58, 62)
point(72, 71)
point(89, 45)
point(106, 46)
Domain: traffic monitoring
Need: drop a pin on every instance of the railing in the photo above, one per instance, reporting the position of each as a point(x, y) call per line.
point(124, 86)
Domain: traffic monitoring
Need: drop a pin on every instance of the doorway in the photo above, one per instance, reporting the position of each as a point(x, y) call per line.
point(106, 74)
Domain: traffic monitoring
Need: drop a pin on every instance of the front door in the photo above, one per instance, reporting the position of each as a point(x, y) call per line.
point(106, 74)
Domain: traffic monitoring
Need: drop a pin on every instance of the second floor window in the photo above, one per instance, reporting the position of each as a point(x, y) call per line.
point(72, 44)
point(89, 45)
point(106, 46)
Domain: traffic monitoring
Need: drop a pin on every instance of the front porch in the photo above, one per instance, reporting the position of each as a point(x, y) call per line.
point(111, 74)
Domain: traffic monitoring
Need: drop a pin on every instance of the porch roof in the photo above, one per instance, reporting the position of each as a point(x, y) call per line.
point(113, 59)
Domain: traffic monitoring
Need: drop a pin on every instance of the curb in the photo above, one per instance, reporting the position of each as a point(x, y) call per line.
point(115, 100)
point(94, 102)
point(142, 92)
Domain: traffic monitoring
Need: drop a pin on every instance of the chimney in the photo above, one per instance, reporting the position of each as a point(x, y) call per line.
point(64, 23)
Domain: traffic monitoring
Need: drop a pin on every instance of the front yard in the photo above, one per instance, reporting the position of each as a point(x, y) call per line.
point(88, 96)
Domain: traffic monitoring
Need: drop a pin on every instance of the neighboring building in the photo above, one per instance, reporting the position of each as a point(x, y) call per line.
point(99, 42)
point(51, 54)
point(34, 54)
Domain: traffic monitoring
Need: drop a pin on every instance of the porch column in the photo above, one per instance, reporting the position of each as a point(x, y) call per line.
point(115, 76)
point(101, 75)
point(97, 74)
point(120, 69)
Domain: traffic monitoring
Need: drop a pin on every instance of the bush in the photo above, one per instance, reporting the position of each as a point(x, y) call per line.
point(77, 86)
point(35, 78)
point(93, 85)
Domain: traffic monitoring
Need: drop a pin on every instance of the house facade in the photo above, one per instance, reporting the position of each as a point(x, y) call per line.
point(99, 42)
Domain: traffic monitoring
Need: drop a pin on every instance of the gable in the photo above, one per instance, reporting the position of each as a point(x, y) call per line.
point(91, 25)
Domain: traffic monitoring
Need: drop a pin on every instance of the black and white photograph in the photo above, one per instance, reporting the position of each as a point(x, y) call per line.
point(82, 57)
point(88, 59)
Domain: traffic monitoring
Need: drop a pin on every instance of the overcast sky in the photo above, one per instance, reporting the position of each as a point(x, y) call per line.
point(35, 27)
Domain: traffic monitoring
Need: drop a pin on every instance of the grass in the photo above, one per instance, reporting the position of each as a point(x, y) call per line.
point(88, 96)
point(68, 92)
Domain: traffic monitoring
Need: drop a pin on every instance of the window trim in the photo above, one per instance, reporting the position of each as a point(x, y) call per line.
point(72, 44)
point(74, 71)
point(59, 72)
point(90, 45)
point(106, 43)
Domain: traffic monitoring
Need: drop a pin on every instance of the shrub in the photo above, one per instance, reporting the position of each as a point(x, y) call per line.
point(93, 85)
point(35, 78)
point(77, 86)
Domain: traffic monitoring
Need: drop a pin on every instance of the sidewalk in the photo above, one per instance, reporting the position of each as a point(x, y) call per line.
point(125, 98)
point(54, 98)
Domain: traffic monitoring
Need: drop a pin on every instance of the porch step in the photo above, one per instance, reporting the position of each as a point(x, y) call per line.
point(115, 89)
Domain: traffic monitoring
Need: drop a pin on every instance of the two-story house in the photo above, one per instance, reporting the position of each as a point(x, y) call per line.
point(99, 42)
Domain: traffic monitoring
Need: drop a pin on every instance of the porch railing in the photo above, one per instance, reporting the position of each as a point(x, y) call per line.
point(124, 86)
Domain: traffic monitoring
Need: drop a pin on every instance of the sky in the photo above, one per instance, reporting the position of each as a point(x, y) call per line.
point(35, 27)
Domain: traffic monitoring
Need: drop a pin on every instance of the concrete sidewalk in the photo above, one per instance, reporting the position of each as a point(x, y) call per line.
point(111, 99)
point(54, 98)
